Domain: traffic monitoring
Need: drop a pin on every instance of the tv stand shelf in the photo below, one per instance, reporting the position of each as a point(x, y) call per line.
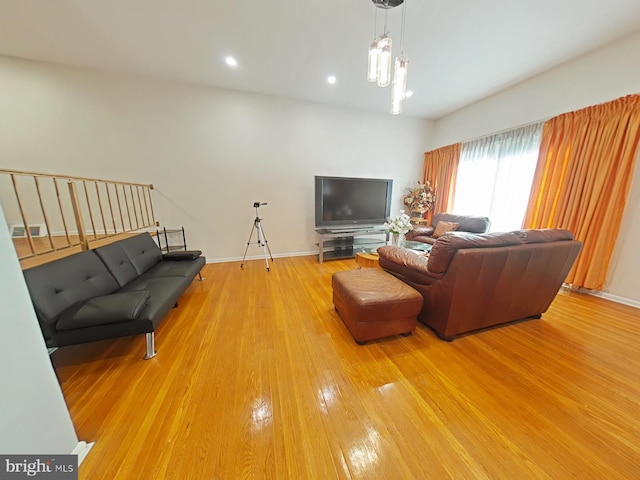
point(346, 242)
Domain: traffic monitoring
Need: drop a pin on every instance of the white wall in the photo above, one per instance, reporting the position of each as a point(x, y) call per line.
point(210, 153)
point(603, 75)
point(33, 415)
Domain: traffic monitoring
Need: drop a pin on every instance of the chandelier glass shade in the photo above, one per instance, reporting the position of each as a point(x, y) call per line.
point(379, 65)
point(372, 70)
point(383, 77)
point(399, 88)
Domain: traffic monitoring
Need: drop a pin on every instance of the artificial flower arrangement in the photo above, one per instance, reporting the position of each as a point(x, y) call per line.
point(399, 224)
point(420, 198)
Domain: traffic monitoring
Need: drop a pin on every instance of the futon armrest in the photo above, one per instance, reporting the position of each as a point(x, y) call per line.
point(184, 255)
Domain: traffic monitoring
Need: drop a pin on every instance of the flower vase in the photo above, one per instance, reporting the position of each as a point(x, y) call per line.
point(397, 239)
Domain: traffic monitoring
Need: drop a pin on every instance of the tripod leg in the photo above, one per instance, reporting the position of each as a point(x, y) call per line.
point(248, 243)
point(266, 242)
point(263, 244)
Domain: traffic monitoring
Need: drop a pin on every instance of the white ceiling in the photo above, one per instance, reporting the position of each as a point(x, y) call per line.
point(460, 51)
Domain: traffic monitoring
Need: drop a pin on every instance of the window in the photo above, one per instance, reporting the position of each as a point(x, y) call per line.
point(495, 176)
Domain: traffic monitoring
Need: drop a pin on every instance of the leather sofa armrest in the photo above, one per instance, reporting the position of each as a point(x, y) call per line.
point(420, 231)
point(407, 263)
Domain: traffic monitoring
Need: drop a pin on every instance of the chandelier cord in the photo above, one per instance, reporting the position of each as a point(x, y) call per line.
point(386, 17)
point(375, 24)
point(404, 13)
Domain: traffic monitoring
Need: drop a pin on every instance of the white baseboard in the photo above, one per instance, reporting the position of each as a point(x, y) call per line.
point(82, 450)
point(260, 257)
point(612, 297)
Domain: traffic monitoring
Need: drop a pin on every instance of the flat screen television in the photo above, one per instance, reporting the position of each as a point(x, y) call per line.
point(344, 202)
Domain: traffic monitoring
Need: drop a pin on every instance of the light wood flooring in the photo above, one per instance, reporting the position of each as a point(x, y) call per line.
point(257, 378)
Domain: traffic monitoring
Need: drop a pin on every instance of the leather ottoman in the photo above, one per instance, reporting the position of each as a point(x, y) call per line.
point(374, 304)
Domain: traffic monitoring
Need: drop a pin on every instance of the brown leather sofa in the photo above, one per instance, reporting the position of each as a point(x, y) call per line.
point(471, 282)
point(467, 223)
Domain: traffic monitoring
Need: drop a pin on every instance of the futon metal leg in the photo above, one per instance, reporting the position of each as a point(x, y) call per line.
point(201, 277)
point(151, 346)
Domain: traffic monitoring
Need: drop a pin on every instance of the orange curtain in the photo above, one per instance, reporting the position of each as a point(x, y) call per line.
point(582, 180)
point(441, 168)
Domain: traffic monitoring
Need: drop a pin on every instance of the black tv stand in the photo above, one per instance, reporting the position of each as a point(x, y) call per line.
point(345, 242)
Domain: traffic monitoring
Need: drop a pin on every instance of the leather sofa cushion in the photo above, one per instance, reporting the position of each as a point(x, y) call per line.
point(142, 251)
point(129, 258)
point(467, 223)
point(56, 286)
point(444, 227)
point(116, 260)
point(169, 268)
point(446, 246)
point(114, 308)
point(164, 291)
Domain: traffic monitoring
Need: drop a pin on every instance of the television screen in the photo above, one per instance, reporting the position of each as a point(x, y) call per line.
point(342, 201)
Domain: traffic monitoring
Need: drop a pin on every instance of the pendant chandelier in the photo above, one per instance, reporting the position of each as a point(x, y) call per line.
point(380, 56)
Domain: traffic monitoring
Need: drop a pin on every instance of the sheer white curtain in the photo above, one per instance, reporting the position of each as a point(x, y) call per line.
point(495, 176)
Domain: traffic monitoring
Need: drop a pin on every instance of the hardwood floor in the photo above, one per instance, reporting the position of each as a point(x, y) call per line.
point(257, 377)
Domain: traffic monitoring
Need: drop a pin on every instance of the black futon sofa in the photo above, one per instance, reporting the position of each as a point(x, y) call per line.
point(124, 288)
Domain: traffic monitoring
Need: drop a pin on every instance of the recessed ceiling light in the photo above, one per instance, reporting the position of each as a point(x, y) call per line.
point(231, 61)
point(332, 79)
point(409, 93)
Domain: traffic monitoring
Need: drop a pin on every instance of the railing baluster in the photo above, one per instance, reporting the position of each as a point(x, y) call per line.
point(153, 215)
point(124, 228)
point(86, 194)
point(104, 224)
point(113, 218)
point(146, 207)
point(64, 219)
point(126, 204)
point(142, 217)
point(23, 215)
point(133, 202)
point(133, 206)
point(44, 213)
point(77, 212)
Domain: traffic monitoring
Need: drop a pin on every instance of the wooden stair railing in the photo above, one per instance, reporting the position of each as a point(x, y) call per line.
point(51, 220)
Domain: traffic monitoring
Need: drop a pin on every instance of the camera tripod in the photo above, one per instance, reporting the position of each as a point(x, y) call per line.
point(262, 240)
